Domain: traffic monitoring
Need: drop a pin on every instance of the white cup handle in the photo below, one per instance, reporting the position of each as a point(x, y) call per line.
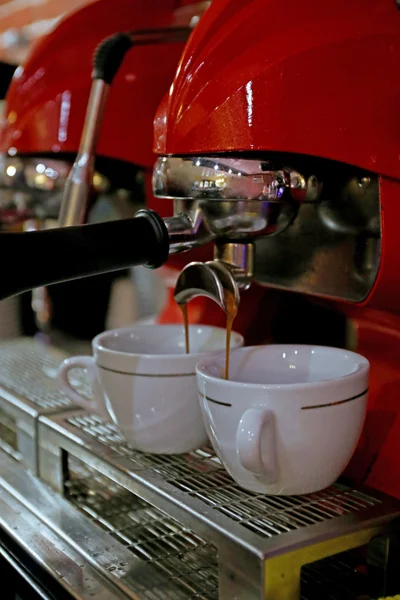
point(77, 362)
point(255, 443)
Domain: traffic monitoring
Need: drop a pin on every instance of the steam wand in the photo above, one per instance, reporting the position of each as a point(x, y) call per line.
point(107, 60)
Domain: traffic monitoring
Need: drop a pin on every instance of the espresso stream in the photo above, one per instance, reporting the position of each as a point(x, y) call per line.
point(185, 315)
point(231, 312)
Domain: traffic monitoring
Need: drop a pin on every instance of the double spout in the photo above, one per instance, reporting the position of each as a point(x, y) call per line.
point(219, 279)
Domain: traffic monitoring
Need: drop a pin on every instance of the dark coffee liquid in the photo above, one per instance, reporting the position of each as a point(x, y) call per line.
point(185, 315)
point(231, 312)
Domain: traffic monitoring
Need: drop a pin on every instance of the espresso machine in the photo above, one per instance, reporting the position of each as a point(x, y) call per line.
point(305, 166)
point(44, 117)
point(277, 148)
point(37, 153)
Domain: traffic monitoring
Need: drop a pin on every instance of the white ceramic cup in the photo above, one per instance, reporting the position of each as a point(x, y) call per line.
point(289, 418)
point(145, 382)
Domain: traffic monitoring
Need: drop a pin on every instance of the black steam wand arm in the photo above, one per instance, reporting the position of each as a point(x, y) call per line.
point(41, 258)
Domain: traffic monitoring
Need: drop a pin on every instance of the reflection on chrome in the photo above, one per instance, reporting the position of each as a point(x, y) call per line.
point(225, 178)
point(31, 187)
point(32, 173)
point(230, 198)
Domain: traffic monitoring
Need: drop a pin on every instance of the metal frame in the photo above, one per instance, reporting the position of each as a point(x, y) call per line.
point(183, 560)
point(33, 537)
point(174, 564)
point(27, 390)
point(132, 577)
point(252, 564)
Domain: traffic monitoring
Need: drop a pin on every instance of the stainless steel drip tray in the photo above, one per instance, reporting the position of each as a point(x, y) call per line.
point(43, 545)
point(101, 535)
point(167, 577)
point(28, 389)
point(260, 540)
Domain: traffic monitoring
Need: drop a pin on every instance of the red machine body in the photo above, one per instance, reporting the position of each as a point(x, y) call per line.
point(46, 103)
point(315, 79)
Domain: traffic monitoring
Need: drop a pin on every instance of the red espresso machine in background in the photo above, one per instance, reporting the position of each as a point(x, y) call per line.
point(304, 92)
point(44, 116)
point(274, 177)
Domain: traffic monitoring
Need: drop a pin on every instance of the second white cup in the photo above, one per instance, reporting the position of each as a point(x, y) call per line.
point(289, 418)
point(145, 382)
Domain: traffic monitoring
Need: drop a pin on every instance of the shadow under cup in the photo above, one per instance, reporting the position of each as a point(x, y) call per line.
point(290, 416)
point(145, 382)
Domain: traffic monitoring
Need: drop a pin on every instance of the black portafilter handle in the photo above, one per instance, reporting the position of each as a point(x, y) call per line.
point(40, 258)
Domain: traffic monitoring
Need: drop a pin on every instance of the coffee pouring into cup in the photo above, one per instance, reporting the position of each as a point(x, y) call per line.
point(231, 200)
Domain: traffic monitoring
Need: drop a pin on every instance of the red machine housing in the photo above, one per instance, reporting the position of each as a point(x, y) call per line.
point(46, 102)
point(47, 99)
point(318, 79)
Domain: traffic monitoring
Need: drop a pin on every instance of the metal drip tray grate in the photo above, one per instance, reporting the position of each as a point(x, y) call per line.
point(201, 475)
point(261, 541)
point(180, 556)
point(28, 369)
point(177, 554)
point(28, 389)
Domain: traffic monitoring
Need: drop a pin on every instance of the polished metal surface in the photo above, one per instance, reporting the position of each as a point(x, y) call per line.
point(31, 175)
point(186, 230)
point(99, 519)
point(31, 190)
point(178, 554)
point(254, 535)
point(238, 199)
point(27, 370)
point(27, 389)
point(141, 550)
point(9, 435)
point(76, 194)
point(226, 178)
point(220, 279)
point(213, 279)
point(332, 248)
point(198, 480)
point(37, 541)
point(239, 258)
point(327, 216)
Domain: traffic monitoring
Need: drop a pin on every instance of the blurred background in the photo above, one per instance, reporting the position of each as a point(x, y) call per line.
point(22, 22)
point(66, 315)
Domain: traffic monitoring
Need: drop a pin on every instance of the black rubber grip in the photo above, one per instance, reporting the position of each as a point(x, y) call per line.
point(40, 258)
point(109, 55)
